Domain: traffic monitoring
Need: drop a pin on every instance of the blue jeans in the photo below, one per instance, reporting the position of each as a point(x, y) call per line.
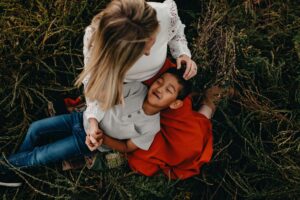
point(71, 143)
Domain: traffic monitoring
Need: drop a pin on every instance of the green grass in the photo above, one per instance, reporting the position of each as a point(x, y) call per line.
point(255, 47)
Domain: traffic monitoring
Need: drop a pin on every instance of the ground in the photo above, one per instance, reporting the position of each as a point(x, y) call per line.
point(251, 45)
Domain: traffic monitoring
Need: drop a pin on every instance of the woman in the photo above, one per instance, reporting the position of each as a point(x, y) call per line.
point(125, 30)
point(99, 76)
point(196, 126)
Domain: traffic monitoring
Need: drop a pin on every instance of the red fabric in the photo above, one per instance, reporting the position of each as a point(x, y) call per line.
point(69, 102)
point(181, 147)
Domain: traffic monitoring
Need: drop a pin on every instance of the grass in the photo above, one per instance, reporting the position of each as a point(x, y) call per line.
point(253, 45)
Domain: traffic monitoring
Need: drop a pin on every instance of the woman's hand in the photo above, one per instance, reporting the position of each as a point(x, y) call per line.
point(94, 141)
point(94, 135)
point(191, 67)
point(92, 145)
point(94, 128)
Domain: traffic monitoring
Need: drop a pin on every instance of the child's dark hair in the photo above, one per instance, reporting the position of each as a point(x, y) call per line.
point(186, 85)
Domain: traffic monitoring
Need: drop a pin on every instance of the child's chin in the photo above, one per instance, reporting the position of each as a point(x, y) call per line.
point(155, 102)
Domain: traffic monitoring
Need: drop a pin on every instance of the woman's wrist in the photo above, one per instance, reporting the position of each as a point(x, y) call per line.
point(93, 122)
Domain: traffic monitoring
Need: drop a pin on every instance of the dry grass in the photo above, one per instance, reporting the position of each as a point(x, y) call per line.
point(253, 45)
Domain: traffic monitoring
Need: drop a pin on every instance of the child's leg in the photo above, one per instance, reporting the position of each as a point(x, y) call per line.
point(66, 148)
point(212, 97)
point(58, 126)
point(207, 111)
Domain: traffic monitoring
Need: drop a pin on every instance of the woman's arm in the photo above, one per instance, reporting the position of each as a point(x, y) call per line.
point(93, 112)
point(87, 38)
point(177, 40)
point(178, 43)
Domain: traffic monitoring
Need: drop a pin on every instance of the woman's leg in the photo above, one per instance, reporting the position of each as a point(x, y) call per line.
point(49, 128)
point(66, 148)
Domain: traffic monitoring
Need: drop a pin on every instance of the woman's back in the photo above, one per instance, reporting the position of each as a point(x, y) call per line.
point(171, 33)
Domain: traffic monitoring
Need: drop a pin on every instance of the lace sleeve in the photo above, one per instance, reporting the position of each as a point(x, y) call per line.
point(177, 40)
point(87, 43)
point(92, 107)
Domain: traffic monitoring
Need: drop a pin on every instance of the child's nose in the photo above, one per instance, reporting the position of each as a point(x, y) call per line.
point(159, 89)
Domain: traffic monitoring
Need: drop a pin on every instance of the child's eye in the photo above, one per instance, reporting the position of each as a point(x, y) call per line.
point(168, 90)
point(158, 80)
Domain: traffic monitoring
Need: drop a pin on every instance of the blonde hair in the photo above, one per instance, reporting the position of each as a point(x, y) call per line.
point(122, 30)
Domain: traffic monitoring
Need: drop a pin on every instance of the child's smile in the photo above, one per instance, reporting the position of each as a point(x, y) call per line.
point(163, 91)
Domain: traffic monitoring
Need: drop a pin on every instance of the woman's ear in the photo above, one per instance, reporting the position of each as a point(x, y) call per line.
point(176, 104)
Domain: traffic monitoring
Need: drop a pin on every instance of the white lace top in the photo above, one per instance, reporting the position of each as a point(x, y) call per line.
point(171, 34)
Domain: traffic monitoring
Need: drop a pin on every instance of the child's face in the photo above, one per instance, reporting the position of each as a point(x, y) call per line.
point(164, 91)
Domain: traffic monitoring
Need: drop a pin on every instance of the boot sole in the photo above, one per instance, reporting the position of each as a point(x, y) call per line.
point(10, 184)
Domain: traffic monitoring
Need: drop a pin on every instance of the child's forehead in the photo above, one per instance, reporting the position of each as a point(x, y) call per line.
point(170, 78)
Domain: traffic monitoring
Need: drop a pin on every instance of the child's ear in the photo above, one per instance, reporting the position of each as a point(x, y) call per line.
point(176, 104)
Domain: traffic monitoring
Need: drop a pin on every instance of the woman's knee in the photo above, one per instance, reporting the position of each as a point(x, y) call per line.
point(34, 129)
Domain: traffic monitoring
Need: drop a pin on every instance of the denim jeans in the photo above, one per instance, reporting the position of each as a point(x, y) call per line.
point(71, 143)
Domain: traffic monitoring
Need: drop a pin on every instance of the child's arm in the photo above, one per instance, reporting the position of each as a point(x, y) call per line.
point(123, 146)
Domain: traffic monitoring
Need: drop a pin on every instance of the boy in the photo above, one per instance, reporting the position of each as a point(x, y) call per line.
point(140, 113)
point(127, 127)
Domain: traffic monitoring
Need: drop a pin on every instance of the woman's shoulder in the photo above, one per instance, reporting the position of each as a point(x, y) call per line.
point(87, 38)
point(167, 15)
point(168, 6)
point(89, 31)
point(166, 12)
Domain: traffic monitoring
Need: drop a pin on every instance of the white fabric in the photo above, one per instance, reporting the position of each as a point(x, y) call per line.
point(129, 121)
point(171, 34)
point(93, 109)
